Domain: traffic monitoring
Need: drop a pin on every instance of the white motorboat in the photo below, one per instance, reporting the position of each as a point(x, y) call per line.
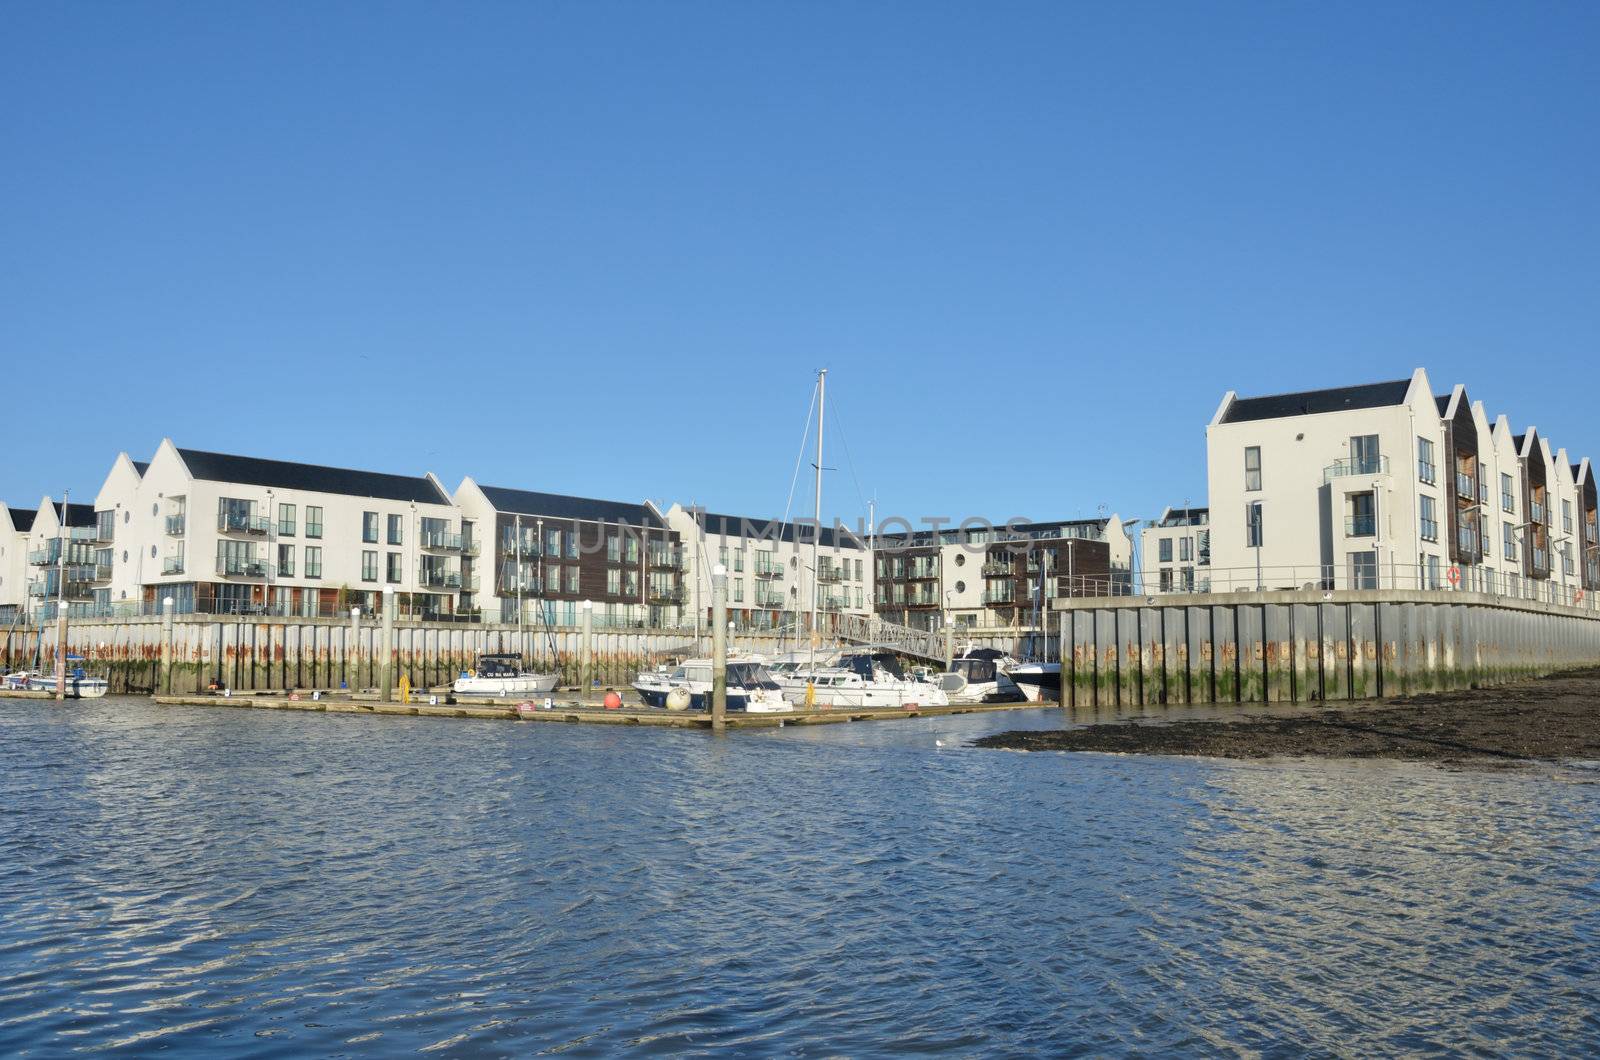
point(751, 687)
point(503, 677)
point(79, 684)
point(982, 675)
point(866, 678)
point(1039, 682)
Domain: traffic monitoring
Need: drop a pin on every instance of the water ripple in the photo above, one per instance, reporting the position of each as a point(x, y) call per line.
point(285, 884)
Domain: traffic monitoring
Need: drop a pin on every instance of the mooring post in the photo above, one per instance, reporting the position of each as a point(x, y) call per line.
point(350, 648)
point(166, 645)
point(586, 649)
point(949, 643)
point(386, 659)
point(719, 648)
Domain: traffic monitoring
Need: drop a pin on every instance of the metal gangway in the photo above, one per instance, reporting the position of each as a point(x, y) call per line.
point(867, 629)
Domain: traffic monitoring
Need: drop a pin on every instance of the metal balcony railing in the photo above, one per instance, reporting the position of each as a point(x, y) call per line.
point(1466, 487)
point(995, 568)
point(669, 595)
point(172, 565)
point(434, 578)
point(769, 600)
point(443, 541)
point(235, 567)
point(828, 575)
point(666, 558)
point(768, 571)
point(1343, 468)
point(101, 572)
point(998, 597)
point(176, 524)
point(243, 524)
point(1538, 513)
point(1467, 542)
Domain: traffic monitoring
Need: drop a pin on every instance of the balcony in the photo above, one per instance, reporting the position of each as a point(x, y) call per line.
point(176, 524)
point(1467, 543)
point(1541, 561)
point(666, 558)
point(828, 575)
point(241, 567)
point(1538, 513)
point(834, 603)
point(1466, 487)
point(228, 523)
point(992, 597)
point(1347, 468)
point(994, 569)
point(437, 578)
point(665, 595)
point(769, 600)
point(768, 571)
point(443, 541)
point(528, 586)
point(172, 565)
point(100, 572)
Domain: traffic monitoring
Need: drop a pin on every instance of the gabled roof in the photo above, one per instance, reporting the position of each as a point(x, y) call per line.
point(22, 518)
point(774, 530)
point(1312, 402)
point(313, 478)
point(561, 506)
point(74, 514)
point(141, 466)
point(1443, 401)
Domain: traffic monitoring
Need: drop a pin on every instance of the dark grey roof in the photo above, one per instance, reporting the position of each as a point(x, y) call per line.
point(1186, 517)
point(141, 466)
point(75, 514)
point(561, 506)
point(284, 474)
point(1311, 402)
point(776, 530)
point(22, 518)
point(1443, 401)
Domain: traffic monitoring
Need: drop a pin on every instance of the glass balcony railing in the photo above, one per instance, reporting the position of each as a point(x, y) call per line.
point(228, 523)
point(443, 541)
point(1466, 487)
point(1467, 542)
point(176, 524)
point(999, 596)
point(1537, 513)
point(768, 570)
point(835, 603)
point(995, 568)
point(1375, 465)
point(241, 567)
point(769, 600)
point(667, 594)
point(828, 574)
point(172, 565)
point(1541, 559)
point(666, 558)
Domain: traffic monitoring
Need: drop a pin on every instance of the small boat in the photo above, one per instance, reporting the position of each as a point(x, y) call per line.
point(1039, 682)
point(502, 676)
point(16, 681)
point(864, 678)
point(79, 685)
point(750, 687)
point(982, 675)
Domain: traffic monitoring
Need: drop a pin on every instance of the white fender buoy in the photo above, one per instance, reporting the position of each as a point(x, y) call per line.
point(678, 699)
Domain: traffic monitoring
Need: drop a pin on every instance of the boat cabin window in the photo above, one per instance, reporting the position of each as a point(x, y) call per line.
point(700, 673)
point(976, 670)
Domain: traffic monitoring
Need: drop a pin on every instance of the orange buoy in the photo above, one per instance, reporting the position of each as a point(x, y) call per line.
point(613, 701)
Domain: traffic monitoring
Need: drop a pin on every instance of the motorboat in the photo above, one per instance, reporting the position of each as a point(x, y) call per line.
point(1039, 682)
point(502, 676)
point(865, 678)
point(982, 675)
point(751, 687)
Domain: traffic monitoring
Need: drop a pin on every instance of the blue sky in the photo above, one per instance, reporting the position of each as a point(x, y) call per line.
point(601, 248)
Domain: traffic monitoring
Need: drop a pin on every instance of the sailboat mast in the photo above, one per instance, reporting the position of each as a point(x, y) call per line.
point(816, 540)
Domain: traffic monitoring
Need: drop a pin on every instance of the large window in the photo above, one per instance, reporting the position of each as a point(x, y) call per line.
point(1363, 521)
point(1508, 534)
point(286, 561)
point(1186, 549)
point(572, 579)
point(1164, 550)
point(1365, 458)
point(286, 520)
point(1508, 496)
point(1363, 570)
point(369, 565)
point(396, 529)
point(392, 568)
point(313, 521)
point(552, 543)
point(369, 528)
point(1427, 470)
point(1430, 520)
point(313, 561)
point(1566, 517)
point(1253, 528)
point(614, 582)
point(1252, 467)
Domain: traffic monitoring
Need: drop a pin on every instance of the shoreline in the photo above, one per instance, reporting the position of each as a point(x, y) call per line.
point(1548, 718)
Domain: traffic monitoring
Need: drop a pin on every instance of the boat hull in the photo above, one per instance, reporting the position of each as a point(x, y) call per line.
point(1039, 683)
point(506, 687)
point(737, 701)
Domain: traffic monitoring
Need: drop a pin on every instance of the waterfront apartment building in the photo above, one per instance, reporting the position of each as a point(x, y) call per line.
point(545, 554)
point(238, 534)
point(1389, 485)
point(997, 575)
point(769, 564)
point(65, 560)
point(1175, 552)
point(16, 526)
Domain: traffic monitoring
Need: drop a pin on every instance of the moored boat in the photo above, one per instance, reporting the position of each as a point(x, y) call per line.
point(750, 687)
point(503, 676)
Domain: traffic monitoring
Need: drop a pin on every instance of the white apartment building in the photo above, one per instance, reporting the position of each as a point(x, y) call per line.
point(997, 575)
point(1176, 552)
point(1389, 485)
point(16, 526)
point(769, 563)
point(236, 534)
point(65, 560)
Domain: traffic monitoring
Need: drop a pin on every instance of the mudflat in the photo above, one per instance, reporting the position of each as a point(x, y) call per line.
point(1555, 717)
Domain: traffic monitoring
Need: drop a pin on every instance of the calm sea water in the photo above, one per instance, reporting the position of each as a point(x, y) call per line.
point(188, 879)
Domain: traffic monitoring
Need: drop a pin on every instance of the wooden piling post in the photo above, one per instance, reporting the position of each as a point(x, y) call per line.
point(586, 649)
point(166, 645)
point(719, 648)
point(386, 658)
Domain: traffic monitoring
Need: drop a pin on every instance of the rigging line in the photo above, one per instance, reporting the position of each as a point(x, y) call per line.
point(848, 459)
point(799, 459)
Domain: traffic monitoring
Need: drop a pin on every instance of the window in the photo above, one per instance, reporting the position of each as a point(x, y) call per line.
point(1508, 497)
point(1254, 531)
point(738, 558)
point(1365, 458)
point(369, 528)
point(1363, 570)
point(1566, 518)
point(1430, 521)
point(1186, 548)
point(1164, 550)
point(1166, 579)
point(614, 582)
point(1433, 572)
point(286, 514)
point(1426, 470)
point(552, 543)
point(738, 589)
point(633, 548)
point(313, 521)
point(1363, 521)
point(392, 568)
point(1252, 467)
point(572, 543)
point(1509, 534)
point(313, 561)
point(1186, 579)
point(630, 583)
point(959, 559)
point(396, 525)
point(369, 561)
point(572, 579)
point(105, 526)
point(286, 561)
point(613, 547)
